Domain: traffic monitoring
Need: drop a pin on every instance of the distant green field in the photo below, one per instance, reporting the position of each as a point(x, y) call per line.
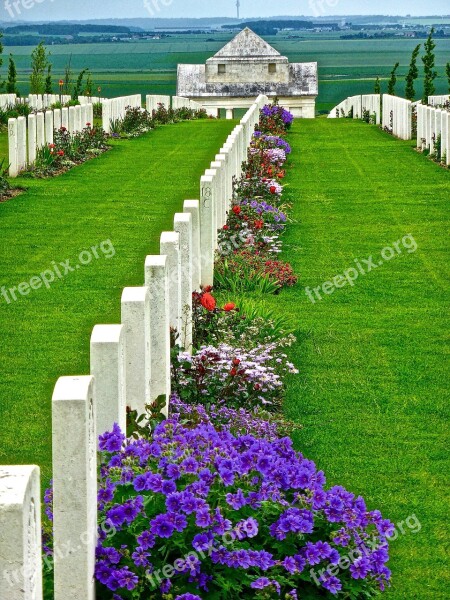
point(346, 67)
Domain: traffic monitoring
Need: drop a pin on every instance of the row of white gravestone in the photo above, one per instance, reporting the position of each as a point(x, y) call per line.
point(114, 109)
point(8, 100)
point(90, 100)
point(438, 100)
point(130, 366)
point(175, 102)
point(392, 112)
point(26, 135)
point(43, 101)
point(398, 116)
point(433, 124)
point(216, 187)
point(358, 106)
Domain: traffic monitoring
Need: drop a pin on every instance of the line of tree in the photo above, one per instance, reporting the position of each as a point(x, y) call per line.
point(272, 27)
point(430, 73)
point(41, 79)
point(65, 29)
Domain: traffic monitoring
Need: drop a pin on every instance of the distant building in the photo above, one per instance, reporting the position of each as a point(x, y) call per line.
point(244, 68)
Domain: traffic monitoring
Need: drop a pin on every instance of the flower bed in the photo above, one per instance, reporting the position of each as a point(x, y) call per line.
point(215, 502)
point(138, 121)
point(68, 150)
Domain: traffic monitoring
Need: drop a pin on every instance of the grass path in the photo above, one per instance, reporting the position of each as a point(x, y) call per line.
point(372, 394)
point(128, 196)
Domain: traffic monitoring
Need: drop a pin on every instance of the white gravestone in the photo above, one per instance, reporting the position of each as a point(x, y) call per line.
point(20, 537)
point(12, 144)
point(193, 208)
point(207, 226)
point(183, 225)
point(74, 487)
point(49, 126)
point(136, 322)
point(65, 118)
point(108, 370)
point(22, 143)
point(31, 138)
point(40, 130)
point(72, 119)
point(157, 281)
point(57, 118)
point(170, 247)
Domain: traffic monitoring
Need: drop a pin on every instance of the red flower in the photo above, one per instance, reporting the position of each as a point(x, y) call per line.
point(60, 152)
point(207, 289)
point(236, 362)
point(208, 301)
point(233, 372)
point(273, 189)
point(88, 124)
point(229, 307)
point(226, 227)
point(259, 224)
point(237, 210)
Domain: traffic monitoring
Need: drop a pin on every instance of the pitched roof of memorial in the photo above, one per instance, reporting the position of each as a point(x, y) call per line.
point(247, 44)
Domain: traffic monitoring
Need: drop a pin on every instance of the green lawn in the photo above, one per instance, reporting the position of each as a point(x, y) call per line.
point(372, 392)
point(128, 196)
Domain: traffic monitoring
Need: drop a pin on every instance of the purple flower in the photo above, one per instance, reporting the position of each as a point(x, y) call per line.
point(162, 526)
point(203, 519)
point(202, 541)
point(168, 487)
point(146, 540)
point(331, 583)
point(113, 440)
point(360, 568)
point(263, 582)
point(140, 557)
point(127, 579)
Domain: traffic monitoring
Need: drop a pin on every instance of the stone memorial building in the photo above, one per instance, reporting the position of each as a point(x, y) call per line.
point(244, 68)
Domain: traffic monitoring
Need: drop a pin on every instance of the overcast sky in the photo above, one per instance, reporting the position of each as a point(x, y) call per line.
point(31, 10)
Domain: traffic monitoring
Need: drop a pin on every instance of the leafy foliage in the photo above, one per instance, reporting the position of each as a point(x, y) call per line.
point(429, 67)
point(393, 80)
point(413, 74)
point(39, 65)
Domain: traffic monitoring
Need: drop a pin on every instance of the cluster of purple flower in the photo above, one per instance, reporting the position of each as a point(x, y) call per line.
point(273, 141)
point(199, 490)
point(275, 110)
point(276, 156)
point(236, 421)
point(274, 218)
